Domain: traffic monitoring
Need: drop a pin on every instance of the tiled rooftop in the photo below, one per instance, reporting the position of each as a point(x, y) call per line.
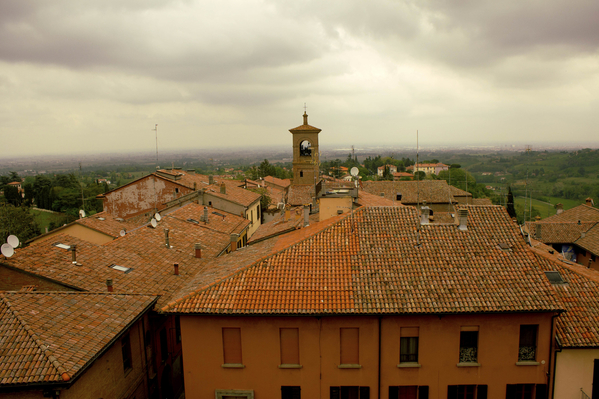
point(584, 213)
point(578, 327)
point(431, 191)
point(218, 220)
point(51, 337)
point(558, 232)
point(284, 183)
point(143, 250)
point(300, 194)
point(107, 224)
point(590, 241)
point(367, 199)
point(376, 262)
point(233, 193)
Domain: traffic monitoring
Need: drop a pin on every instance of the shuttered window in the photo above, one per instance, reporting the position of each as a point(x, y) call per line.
point(350, 345)
point(289, 345)
point(232, 345)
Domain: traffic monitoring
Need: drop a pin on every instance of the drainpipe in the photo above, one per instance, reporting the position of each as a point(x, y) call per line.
point(554, 355)
point(379, 373)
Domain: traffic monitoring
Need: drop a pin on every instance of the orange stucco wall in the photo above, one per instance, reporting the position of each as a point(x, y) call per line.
point(329, 206)
point(574, 371)
point(320, 354)
point(82, 232)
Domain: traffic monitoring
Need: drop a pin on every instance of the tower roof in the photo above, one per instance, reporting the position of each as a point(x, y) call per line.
point(305, 127)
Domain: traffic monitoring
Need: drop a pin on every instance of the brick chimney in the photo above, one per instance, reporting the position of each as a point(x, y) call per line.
point(197, 247)
point(176, 271)
point(559, 208)
point(589, 201)
point(109, 285)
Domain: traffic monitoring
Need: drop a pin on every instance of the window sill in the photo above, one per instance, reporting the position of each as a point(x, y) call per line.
point(290, 366)
point(409, 365)
point(233, 366)
point(468, 364)
point(349, 366)
point(527, 363)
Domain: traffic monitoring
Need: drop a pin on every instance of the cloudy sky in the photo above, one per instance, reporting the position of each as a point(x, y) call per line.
point(79, 76)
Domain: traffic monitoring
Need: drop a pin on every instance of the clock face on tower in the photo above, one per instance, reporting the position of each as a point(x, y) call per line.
point(305, 148)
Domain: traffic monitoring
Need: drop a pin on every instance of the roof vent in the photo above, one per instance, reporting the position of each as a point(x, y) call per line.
point(554, 277)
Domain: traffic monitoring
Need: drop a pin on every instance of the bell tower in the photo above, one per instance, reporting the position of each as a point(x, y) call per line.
point(306, 162)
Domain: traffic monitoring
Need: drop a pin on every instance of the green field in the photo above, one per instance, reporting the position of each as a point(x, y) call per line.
point(44, 219)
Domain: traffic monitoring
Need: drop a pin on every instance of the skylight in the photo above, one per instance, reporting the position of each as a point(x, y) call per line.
point(193, 221)
point(554, 277)
point(63, 246)
point(121, 268)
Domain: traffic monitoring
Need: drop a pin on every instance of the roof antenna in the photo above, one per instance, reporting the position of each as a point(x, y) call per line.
point(155, 195)
point(417, 193)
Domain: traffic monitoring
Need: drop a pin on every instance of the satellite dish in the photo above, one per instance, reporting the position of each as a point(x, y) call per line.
point(7, 250)
point(13, 241)
point(354, 171)
point(153, 222)
point(81, 213)
point(157, 217)
point(122, 233)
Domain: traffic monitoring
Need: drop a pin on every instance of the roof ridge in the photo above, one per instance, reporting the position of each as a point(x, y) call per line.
point(258, 261)
point(49, 354)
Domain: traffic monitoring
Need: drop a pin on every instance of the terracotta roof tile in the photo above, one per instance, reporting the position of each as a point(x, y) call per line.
point(143, 250)
point(583, 212)
point(376, 262)
point(51, 337)
point(218, 220)
point(300, 194)
point(590, 240)
point(578, 327)
point(368, 199)
point(107, 223)
point(431, 191)
point(234, 194)
point(557, 232)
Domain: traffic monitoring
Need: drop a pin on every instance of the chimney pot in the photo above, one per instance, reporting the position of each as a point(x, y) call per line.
point(166, 239)
point(223, 188)
point(210, 179)
point(463, 219)
point(198, 250)
point(176, 266)
point(205, 214)
point(74, 253)
point(109, 285)
point(589, 201)
point(559, 208)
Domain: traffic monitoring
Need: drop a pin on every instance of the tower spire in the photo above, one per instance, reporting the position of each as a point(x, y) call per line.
point(305, 115)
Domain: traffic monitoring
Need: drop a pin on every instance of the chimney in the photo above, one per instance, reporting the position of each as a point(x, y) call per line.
point(223, 188)
point(234, 238)
point(205, 214)
point(210, 179)
point(425, 214)
point(463, 219)
point(306, 215)
point(176, 271)
point(191, 171)
point(74, 254)
point(109, 285)
point(559, 208)
point(166, 239)
point(589, 201)
point(197, 247)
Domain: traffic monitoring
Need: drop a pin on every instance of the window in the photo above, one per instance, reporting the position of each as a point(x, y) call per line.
point(126, 351)
point(350, 349)
point(469, 344)
point(289, 338)
point(178, 329)
point(408, 392)
point(467, 392)
point(408, 345)
point(291, 393)
point(232, 346)
point(528, 343)
point(350, 393)
point(526, 391)
point(301, 173)
point(234, 393)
